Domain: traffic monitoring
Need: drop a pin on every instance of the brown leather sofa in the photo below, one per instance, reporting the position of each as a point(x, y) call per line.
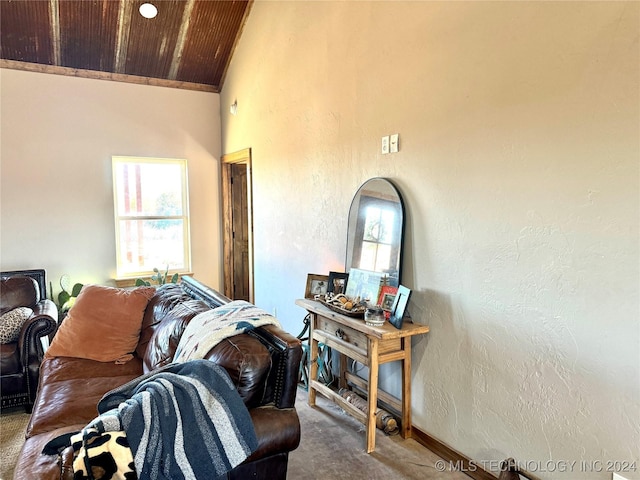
point(263, 363)
point(20, 360)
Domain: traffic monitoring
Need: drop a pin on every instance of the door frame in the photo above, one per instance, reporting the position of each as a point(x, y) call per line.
point(239, 157)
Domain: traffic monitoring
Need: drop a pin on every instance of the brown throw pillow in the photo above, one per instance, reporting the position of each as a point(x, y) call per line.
point(104, 324)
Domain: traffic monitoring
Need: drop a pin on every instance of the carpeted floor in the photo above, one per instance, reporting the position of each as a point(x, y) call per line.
point(13, 424)
point(332, 447)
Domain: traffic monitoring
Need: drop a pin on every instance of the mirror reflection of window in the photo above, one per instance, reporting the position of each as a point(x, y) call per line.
point(377, 238)
point(374, 233)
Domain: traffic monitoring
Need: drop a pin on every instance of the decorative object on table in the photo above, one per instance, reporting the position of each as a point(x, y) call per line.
point(399, 306)
point(159, 277)
point(386, 298)
point(344, 305)
point(316, 285)
point(365, 284)
point(67, 296)
point(374, 316)
point(337, 282)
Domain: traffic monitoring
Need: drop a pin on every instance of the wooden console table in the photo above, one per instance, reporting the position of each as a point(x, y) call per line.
point(370, 346)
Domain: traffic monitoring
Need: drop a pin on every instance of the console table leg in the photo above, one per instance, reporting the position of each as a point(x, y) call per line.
point(343, 371)
point(373, 395)
point(405, 428)
point(313, 363)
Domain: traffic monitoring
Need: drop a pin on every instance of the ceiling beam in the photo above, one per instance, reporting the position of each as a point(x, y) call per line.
point(122, 39)
point(117, 77)
point(182, 38)
point(54, 14)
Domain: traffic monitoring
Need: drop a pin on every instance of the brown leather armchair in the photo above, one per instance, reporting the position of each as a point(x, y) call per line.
point(20, 360)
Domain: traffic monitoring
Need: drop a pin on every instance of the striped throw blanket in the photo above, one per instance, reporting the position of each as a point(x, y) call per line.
point(209, 328)
point(184, 421)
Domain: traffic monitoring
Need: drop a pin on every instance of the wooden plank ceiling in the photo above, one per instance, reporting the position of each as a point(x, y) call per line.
point(189, 43)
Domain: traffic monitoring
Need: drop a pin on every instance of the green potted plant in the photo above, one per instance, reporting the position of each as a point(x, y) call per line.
point(67, 296)
point(159, 277)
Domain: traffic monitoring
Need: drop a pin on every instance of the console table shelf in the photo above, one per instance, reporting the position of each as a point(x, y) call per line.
point(370, 346)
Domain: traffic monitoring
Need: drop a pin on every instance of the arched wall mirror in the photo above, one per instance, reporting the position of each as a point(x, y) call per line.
point(375, 229)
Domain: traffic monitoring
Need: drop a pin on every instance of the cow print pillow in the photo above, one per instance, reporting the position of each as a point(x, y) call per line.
point(11, 324)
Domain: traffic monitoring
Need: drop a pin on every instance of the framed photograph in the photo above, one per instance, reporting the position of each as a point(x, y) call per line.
point(399, 306)
point(364, 284)
point(337, 282)
point(316, 285)
point(386, 299)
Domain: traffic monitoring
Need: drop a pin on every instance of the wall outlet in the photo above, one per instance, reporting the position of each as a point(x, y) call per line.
point(393, 143)
point(385, 144)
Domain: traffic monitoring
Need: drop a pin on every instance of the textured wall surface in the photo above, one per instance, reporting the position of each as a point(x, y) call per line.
point(519, 166)
point(58, 136)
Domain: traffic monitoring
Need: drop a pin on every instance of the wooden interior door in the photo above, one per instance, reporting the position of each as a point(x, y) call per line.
point(237, 243)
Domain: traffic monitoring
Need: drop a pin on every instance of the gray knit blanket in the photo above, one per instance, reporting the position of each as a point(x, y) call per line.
point(184, 421)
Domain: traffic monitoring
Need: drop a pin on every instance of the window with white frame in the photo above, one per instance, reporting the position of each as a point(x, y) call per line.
point(151, 215)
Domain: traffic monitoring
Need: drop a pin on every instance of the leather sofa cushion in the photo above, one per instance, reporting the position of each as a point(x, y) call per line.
point(166, 335)
point(103, 324)
point(32, 464)
point(166, 298)
point(73, 388)
point(18, 291)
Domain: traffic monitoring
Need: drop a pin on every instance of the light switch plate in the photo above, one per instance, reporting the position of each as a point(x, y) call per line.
point(385, 144)
point(393, 144)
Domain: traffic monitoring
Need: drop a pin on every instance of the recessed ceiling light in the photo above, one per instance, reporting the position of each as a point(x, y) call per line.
point(148, 10)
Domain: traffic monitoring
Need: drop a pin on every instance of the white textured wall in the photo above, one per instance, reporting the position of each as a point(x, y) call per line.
point(519, 164)
point(58, 135)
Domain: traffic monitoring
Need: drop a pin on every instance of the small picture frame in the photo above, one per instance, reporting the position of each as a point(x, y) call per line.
point(399, 306)
point(386, 299)
point(316, 285)
point(364, 284)
point(337, 282)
